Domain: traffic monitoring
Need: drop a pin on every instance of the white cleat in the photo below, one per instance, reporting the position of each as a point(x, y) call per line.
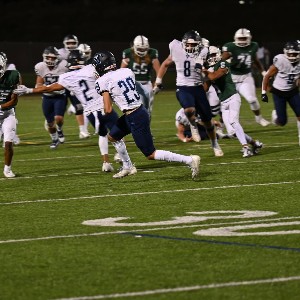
point(126, 172)
point(84, 135)
point(107, 167)
point(262, 121)
point(218, 151)
point(247, 152)
point(195, 165)
point(9, 174)
point(195, 133)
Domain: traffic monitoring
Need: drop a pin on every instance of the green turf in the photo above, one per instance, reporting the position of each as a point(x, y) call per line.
point(46, 252)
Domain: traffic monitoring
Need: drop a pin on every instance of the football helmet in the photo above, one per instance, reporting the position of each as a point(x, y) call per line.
point(192, 42)
point(214, 55)
point(70, 42)
point(75, 60)
point(205, 42)
point(292, 51)
point(3, 61)
point(140, 45)
point(86, 50)
point(50, 56)
point(103, 62)
point(242, 37)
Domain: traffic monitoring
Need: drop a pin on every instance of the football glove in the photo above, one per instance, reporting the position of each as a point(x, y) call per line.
point(157, 88)
point(22, 89)
point(199, 64)
point(264, 98)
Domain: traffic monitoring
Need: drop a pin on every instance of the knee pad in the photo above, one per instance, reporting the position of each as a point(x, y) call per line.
point(254, 104)
point(78, 109)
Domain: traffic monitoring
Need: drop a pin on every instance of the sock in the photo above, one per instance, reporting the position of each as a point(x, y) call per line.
point(298, 126)
point(171, 156)
point(7, 168)
point(103, 144)
point(54, 136)
point(122, 151)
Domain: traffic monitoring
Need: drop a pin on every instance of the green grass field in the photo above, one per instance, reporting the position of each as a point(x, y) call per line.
point(70, 231)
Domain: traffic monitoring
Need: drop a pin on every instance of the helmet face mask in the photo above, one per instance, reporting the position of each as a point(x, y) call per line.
point(86, 50)
point(292, 51)
point(140, 45)
point(104, 62)
point(70, 42)
point(75, 60)
point(3, 61)
point(50, 56)
point(214, 55)
point(192, 42)
point(242, 37)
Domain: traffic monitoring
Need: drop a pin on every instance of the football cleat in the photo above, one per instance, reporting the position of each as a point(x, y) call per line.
point(247, 152)
point(261, 121)
point(61, 136)
point(218, 151)
point(256, 147)
point(84, 135)
point(54, 144)
point(107, 167)
point(126, 172)
point(195, 165)
point(9, 174)
point(195, 133)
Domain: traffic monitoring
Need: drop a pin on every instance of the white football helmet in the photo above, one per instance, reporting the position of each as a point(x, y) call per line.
point(205, 42)
point(140, 45)
point(70, 42)
point(3, 61)
point(292, 51)
point(86, 50)
point(50, 56)
point(242, 37)
point(214, 55)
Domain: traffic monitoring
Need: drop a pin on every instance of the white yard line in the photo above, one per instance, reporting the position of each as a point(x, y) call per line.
point(187, 288)
point(152, 192)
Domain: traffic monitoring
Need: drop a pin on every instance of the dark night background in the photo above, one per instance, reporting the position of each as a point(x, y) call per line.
point(27, 27)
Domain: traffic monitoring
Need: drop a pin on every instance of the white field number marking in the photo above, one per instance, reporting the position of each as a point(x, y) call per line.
point(194, 217)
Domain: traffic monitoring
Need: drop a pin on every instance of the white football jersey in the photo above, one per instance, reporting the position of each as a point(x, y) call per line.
point(51, 75)
point(81, 83)
point(122, 88)
point(185, 64)
point(63, 53)
point(180, 118)
point(285, 79)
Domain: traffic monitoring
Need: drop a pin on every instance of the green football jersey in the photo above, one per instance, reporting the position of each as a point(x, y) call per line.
point(141, 66)
point(8, 82)
point(241, 57)
point(224, 85)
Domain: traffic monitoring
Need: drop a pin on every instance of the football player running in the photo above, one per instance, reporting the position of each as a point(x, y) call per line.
point(9, 80)
point(189, 56)
point(118, 86)
point(219, 74)
point(81, 83)
point(242, 54)
point(143, 61)
point(285, 72)
point(53, 103)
